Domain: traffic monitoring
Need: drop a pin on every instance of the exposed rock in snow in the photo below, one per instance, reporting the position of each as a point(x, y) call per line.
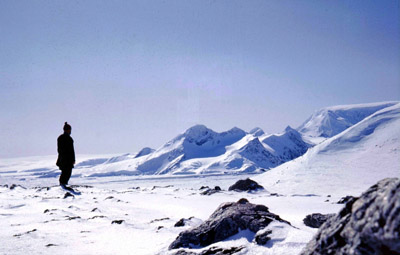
point(263, 236)
point(67, 194)
point(346, 199)
point(209, 191)
point(226, 221)
point(182, 222)
point(212, 251)
point(367, 225)
point(316, 220)
point(245, 185)
point(117, 221)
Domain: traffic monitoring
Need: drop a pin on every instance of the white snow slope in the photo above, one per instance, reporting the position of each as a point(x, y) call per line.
point(347, 163)
point(330, 121)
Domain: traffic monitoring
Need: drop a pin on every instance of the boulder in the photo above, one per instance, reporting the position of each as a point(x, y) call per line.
point(346, 199)
point(182, 222)
point(316, 220)
point(226, 221)
point(245, 185)
point(262, 237)
point(367, 225)
point(67, 194)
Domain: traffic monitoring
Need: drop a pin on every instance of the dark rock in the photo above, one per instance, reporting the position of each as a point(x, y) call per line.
point(316, 220)
point(245, 185)
point(26, 233)
point(262, 237)
point(367, 225)
point(160, 187)
point(110, 197)
point(209, 191)
point(184, 252)
point(213, 251)
point(81, 186)
point(73, 218)
point(50, 245)
point(13, 186)
point(155, 220)
point(117, 221)
point(182, 222)
point(68, 195)
point(346, 199)
point(97, 216)
point(204, 187)
point(274, 195)
point(160, 227)
point(226, 221)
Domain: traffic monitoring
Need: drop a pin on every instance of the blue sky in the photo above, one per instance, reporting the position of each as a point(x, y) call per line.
point(129, 74)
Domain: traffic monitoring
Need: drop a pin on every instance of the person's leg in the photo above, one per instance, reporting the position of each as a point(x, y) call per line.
point(68, 175)
point(65, 175)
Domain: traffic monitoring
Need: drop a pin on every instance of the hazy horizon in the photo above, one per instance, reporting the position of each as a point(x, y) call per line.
point(134, 74)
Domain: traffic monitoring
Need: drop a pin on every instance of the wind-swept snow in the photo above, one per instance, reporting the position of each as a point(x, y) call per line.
point(347, 163)
point(330, 121)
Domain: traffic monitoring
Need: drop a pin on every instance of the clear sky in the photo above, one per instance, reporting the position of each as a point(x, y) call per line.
point(130, 74)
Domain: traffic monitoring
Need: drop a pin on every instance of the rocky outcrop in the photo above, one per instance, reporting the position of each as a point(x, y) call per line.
point(262, 237)
point(213, 251)
point(316, 220)
point(226, 221)
point(182, 222)
point(346, 199)
point(367, 225)
point(246, 185)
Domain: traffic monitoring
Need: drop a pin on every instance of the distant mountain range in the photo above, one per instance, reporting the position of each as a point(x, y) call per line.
point(200, 150)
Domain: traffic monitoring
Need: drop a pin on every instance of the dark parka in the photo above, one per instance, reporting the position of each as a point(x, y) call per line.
point(66, 153)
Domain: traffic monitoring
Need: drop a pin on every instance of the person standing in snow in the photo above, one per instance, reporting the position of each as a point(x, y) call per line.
point(66, 155)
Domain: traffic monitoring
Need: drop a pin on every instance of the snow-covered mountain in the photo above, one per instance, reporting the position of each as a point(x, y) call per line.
point(288, 145)
point(330, 121)
point(346, 163)
point(200, 150)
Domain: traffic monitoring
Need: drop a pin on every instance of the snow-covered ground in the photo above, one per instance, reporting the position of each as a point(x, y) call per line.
point(36, 219)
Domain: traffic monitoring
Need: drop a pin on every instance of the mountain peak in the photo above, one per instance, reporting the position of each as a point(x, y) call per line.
point(330, 121)
point(290, 129)
point(198, 132)
point(257, 132)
